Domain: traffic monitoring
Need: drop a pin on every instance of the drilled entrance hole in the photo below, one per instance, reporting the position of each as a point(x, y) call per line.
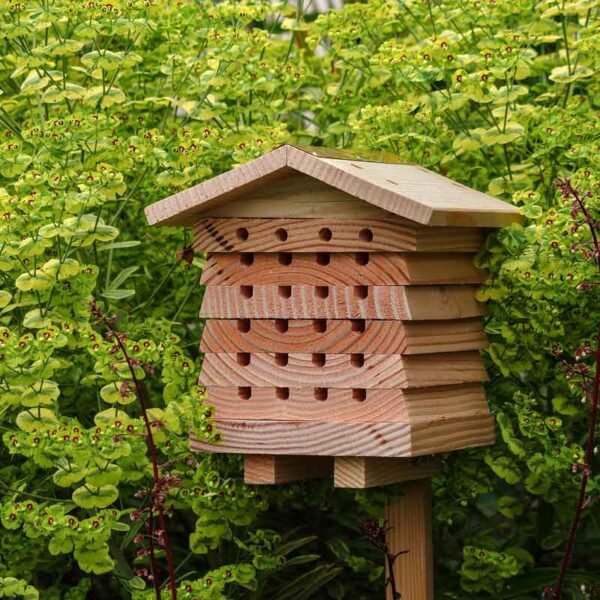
point(247, 258)
point(321, 394)
point(358, 325)
point(322, 291)
point(243, 359)
point(365, 235)
point(247, 291)
point(323, 258)
point(285, 291)
point(361, 291)
point(282, 393)
point(319, 325)
point(357, 360)
point(318, 360)
point(359, 394)
point(362, 258)
point(281, 359)
point(281, 234)
point(242, 234)
point(243, 325)
point(285, 259)
point(325, 234)
point(244, 393)
point(281, 325)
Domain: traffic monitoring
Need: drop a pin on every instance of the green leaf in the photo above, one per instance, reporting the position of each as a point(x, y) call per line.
point(91, 496)
point(565, 75)
point(38, 419)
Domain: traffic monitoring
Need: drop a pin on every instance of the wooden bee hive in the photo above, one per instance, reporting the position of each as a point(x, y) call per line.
point(342, 331)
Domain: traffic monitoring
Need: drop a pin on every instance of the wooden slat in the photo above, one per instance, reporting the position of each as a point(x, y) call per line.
point(343, 336)
point(342, 370)
point(343, 405)
point(350, 439)
point(393, 234)
point(409, 522)
point(260, 469)
point(305, 302)
point(342, 269)
point(365, 472)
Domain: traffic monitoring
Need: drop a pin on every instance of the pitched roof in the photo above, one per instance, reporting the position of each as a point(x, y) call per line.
point(405, 190)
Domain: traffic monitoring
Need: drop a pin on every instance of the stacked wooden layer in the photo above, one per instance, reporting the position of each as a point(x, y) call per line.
point(342, 337)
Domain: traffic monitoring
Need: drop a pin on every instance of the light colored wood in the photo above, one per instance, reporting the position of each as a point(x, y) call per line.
point(409, 522)
point(350, 439)
point(343, 336)
point(392, 234)
point(345, 405)
point(382, 302)
point(261, 469)
point(342, 269)
point(365, 472)
point(342, 370)
point(296, 196)
point(405, 190)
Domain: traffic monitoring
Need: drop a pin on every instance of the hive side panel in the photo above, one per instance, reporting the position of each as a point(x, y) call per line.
point(342, 336)
point(329, 302)
point(392, 234)
point(339, 269)
point(341, 370)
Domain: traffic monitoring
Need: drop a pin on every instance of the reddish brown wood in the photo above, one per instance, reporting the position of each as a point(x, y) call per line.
point(261, 469)
point(371, 405)
point(341, 269)
point(341, 370)
point(351, 439)
point(394, 234)
point(328, 302)
point(343, 336)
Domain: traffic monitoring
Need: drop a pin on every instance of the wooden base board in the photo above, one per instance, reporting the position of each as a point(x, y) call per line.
point(365, 472)
point(273, 470)
point(314, 438)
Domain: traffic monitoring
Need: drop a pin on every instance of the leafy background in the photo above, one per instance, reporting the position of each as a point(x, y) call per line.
point(108, 106)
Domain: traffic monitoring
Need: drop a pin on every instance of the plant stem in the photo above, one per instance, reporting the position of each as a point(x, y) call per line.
point(595, 396)
point(142, 397)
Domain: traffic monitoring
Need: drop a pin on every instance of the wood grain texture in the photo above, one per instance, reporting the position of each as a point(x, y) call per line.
point(410, 529)
point(260, 469)
point(366, 472)
point(343, 336)
point(345, 405)
point(392, 234)
point(405, 190)
point(328, 302)
point(341, 269)
point(350, 439)
point(342, 370)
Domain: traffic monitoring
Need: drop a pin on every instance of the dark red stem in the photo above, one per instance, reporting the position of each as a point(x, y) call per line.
point(142, 399)
point(589, 453)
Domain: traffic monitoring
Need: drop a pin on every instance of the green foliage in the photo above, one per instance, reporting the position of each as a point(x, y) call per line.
point(106, 107)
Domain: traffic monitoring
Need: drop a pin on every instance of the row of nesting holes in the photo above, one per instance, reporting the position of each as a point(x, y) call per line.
point(319, 325)
point(323, 258)
point(325, 234)
point(283, 393)
point(321, 291)
point(281, 359)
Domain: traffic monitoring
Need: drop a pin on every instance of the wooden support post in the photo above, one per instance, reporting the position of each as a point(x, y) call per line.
point(409, 520)
point(263, 469)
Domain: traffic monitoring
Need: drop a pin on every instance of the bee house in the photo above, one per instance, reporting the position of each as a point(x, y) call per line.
point(341, 319)
point(342, 331)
